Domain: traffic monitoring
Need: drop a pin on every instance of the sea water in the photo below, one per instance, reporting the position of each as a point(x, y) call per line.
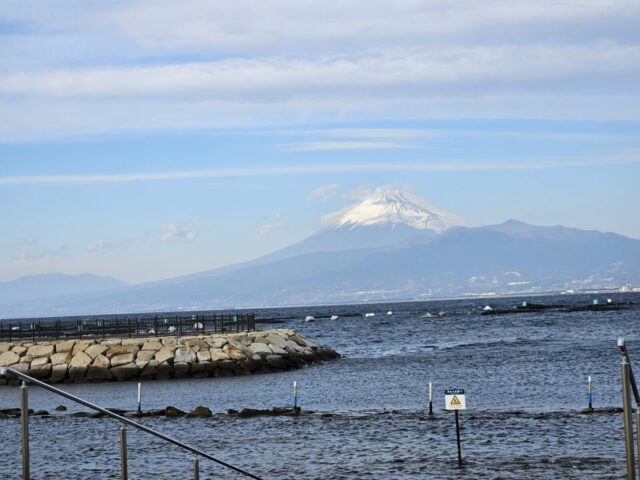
point(524, 376)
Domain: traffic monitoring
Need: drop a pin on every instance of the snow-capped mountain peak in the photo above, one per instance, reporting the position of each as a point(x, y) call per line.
point(391, 206)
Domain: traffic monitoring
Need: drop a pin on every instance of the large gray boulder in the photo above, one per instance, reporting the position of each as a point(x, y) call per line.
point(8, 359)
point(58, 358)
point(40, 351)
point(122, 359)
point(58, 373)
point(184, 355)
point(126, 372)
point(165, 354)
point(94, 350)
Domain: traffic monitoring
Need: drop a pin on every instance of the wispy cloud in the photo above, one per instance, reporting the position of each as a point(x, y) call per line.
point(426, 166)
point(395, 73)
point(42, 255)
point(174, 233)
point(269, 228)
point(378, 133)
point(323, 192)
point(345, 145)
point(271, 63)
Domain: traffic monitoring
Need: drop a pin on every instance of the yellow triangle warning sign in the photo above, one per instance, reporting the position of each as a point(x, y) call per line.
point(454, 400)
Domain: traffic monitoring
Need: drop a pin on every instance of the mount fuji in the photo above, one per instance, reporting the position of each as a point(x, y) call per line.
point(388, 246)
point(388, 217)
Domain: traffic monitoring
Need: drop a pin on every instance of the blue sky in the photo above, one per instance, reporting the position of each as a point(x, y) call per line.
point(145, 140)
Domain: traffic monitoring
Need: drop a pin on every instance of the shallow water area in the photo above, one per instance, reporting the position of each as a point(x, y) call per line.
point(524, 376)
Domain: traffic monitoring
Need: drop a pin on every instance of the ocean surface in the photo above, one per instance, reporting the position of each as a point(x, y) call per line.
point(524, 375)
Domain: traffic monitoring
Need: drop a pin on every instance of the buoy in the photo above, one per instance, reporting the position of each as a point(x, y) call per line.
point(389, 312)
point(487, 308)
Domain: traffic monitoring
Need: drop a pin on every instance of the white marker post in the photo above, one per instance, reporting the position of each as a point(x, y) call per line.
point(454, 400)
point(295, 396)
point(430, 400)
point(589, 394)
point(139, 398)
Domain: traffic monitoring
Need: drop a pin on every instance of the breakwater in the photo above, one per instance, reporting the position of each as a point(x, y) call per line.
point(113, 359)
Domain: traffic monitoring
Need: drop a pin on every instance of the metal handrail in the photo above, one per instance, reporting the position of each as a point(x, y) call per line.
point(120, 418)
point(629, 383)
point(632, 378)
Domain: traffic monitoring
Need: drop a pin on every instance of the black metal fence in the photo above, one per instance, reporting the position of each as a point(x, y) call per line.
point(160, 325)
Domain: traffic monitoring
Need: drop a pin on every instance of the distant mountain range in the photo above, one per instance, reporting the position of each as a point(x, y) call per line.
point(387, 247)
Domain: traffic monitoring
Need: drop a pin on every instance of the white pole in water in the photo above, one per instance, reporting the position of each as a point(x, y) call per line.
point(295, 395)
point(139, 397)
point(590, 394)
point(430, 399)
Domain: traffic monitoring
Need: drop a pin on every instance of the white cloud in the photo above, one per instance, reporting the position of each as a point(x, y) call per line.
point(174, 233)
point(426, 166)
point(41, 255)
point(397, 73)
point(269, 228)
point(252, 27)
point(323, 192)
point(345, 145)
point(378, 133)
point(278, 62)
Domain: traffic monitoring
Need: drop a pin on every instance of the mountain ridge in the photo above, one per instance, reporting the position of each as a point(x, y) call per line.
point(461, 260)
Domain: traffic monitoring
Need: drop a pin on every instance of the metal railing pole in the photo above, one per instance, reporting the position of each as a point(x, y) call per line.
point(196, 468)
point(632, 379)
point(638, 438)
point(628, 423)
point(123, 453)
point(24, 420)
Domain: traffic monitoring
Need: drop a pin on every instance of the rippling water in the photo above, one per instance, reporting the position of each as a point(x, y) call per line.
point(524, 377)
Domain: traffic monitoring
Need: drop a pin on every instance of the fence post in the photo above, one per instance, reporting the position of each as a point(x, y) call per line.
point(196, 468)
point(638, 438)
point(24, 420)
point(123, 452)
point(628, 422)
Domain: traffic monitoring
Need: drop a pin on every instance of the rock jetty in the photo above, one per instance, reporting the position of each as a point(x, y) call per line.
point(113, 359)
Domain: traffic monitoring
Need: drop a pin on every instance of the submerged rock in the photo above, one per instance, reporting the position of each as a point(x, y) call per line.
point(200, 411)
point(173, 412)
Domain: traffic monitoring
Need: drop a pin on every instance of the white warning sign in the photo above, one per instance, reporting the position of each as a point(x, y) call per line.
point(454, 399)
